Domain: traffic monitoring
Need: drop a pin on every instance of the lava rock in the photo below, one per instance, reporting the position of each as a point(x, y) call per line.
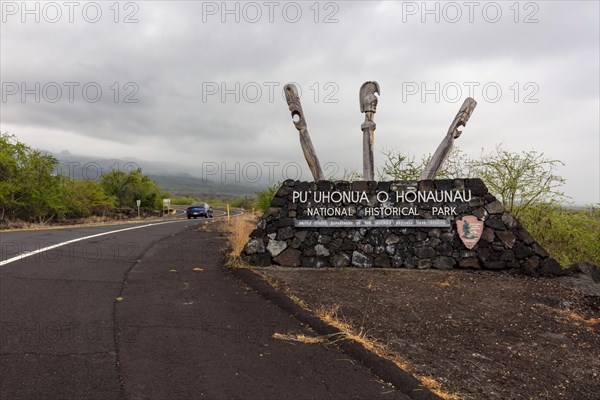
point(289, 258)
point(361, 260)
point(275, 247)
point(254, 246)
point(444, 262)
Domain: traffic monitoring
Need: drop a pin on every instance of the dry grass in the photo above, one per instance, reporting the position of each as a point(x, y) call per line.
point(572, 317)
point(237, 231)
point(293, 337)
point(331, 315)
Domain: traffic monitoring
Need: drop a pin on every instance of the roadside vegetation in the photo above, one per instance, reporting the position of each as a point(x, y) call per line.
point(237, 230)
point(32, 191)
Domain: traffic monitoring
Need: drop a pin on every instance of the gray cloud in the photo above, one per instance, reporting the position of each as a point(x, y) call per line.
point(171, 57)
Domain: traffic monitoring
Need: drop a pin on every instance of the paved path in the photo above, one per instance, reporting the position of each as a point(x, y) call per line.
point(190, 334)
point(126, 316)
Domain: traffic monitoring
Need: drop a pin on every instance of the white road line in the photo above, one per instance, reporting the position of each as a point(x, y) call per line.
point(54, 246)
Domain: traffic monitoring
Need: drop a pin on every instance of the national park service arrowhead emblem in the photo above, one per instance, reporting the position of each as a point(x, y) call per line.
point(469, 230)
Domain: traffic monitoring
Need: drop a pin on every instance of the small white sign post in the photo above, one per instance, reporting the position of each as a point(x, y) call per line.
point(139, 203)
point(167, 205)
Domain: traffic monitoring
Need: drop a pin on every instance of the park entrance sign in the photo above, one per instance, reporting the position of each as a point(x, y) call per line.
point(439, 224)
point(429, 223)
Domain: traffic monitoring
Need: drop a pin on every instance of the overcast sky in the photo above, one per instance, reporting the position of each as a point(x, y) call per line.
point(201, 82)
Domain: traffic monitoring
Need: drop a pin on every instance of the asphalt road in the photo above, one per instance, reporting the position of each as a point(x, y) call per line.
point(148, 313)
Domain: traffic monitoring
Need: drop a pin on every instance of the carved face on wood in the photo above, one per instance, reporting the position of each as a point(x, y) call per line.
point(370, 103)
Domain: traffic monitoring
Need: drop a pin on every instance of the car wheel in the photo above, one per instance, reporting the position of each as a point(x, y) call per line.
point(189, 217)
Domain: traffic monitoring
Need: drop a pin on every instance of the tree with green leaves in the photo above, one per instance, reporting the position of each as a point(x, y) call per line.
point(29, 187)
point(127, 187)
point(519, 180)
point(397, 166)
point(522, 179)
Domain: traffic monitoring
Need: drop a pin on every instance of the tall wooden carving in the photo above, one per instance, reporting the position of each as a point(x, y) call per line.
point(368, 105)
point(440, 155)
point(293, 101)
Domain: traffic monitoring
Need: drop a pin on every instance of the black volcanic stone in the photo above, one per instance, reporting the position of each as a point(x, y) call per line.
point(469, 263)
point(550, 267)
point(410, 262)
point(300, 186)
point(284, 191)
point(494, 264)
point(285, 222)
point(444, 184)
point(489, 198)
point(360, 186)
point(476, 186)
point(495, 207)
point(396, 262)
point(495, 223)
point(375, 237)
point(426, 185)
point(483, 253)
point(289, 258)
point(480, 213)
point(257, 233)
point(382, 261)
point(361, 260)
point(531, 266)
point(383, 187)
point(539, 250)
point(301, 235)
point(339, 260)
point(507, 255)
point(285, 233)
point(447, 237)
point(348, 245)
point(510, 221)
point(342, 186)
point(424, 252)
point(444, 249)
point(487, 235)
point(324, 239)
point(420, 236)
point(278, 202)
point(259, 259)
point(324, 186)
point(444, 262)
point(524, 236)
point(311, 239)
point(521, 251)
point(335, 245)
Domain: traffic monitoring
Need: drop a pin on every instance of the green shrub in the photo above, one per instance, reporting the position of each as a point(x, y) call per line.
point(264, 197)
point(245, 202)
point(569, 235)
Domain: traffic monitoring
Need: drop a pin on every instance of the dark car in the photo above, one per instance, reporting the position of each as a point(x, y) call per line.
point(199, 210)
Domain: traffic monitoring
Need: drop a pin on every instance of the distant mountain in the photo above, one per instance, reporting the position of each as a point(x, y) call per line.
point(190, 186)
point(172, 178)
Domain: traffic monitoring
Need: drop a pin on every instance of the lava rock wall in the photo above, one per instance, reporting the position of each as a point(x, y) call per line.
point(504, 243)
